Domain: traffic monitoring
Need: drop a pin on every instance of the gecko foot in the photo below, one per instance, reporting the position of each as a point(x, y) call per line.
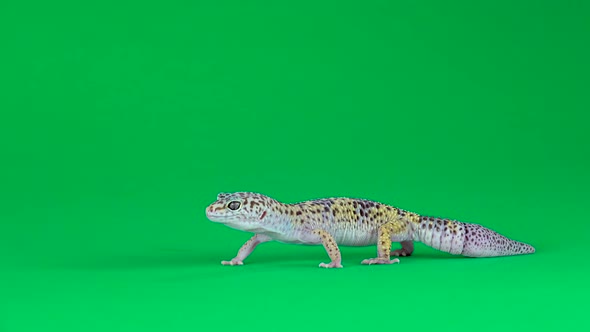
point(379, 261)
point(331, 265)
point(401, 252)
point(232, 262)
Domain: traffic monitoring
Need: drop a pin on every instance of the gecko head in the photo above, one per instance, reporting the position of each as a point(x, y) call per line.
point(241, 210)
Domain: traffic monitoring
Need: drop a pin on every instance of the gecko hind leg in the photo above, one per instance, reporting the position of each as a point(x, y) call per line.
point(406, 250)
point(386, 231)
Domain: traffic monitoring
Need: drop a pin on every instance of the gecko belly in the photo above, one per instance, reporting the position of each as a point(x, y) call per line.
point(355, 238)
point(342, 237)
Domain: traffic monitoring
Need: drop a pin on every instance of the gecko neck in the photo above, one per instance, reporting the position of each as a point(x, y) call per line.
point(275, 220)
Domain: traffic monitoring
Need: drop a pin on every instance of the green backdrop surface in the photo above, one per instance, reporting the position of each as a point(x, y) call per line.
point(121, 121)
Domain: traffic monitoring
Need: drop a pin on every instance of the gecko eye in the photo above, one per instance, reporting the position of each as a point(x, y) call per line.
point(234, 205)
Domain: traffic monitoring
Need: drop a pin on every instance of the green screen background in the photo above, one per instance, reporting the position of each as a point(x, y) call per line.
point(120, 122)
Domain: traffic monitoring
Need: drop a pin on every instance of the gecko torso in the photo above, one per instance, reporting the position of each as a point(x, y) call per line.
point(352, 222)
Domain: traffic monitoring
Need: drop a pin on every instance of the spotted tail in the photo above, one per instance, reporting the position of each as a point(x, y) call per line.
point(466, 239)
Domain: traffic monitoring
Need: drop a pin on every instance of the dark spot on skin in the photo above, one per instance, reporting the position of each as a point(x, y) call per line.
point(334, 212)
point(429, 226)
point(431, 219)
point(298, 213)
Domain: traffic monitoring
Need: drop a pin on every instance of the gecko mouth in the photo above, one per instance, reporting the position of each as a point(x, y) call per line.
point(214, 217)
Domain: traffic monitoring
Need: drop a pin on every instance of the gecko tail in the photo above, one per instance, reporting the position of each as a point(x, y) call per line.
point(483, 242)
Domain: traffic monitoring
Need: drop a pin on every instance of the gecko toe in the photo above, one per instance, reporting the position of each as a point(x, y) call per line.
point(401, 252)
point(232, 262)
point(379, 261)
point(331, 265)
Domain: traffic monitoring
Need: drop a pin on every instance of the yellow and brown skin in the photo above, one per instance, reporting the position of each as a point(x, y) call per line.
point(328, 222)
point(351, 222)
point(331, 248)
point(386, 232)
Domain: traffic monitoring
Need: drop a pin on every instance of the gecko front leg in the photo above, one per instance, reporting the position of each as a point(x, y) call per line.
point(247, 249)
point(384, 243)
point(331, 248)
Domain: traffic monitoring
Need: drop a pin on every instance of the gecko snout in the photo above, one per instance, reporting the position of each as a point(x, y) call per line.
point(214, 212)
point(209, 211)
